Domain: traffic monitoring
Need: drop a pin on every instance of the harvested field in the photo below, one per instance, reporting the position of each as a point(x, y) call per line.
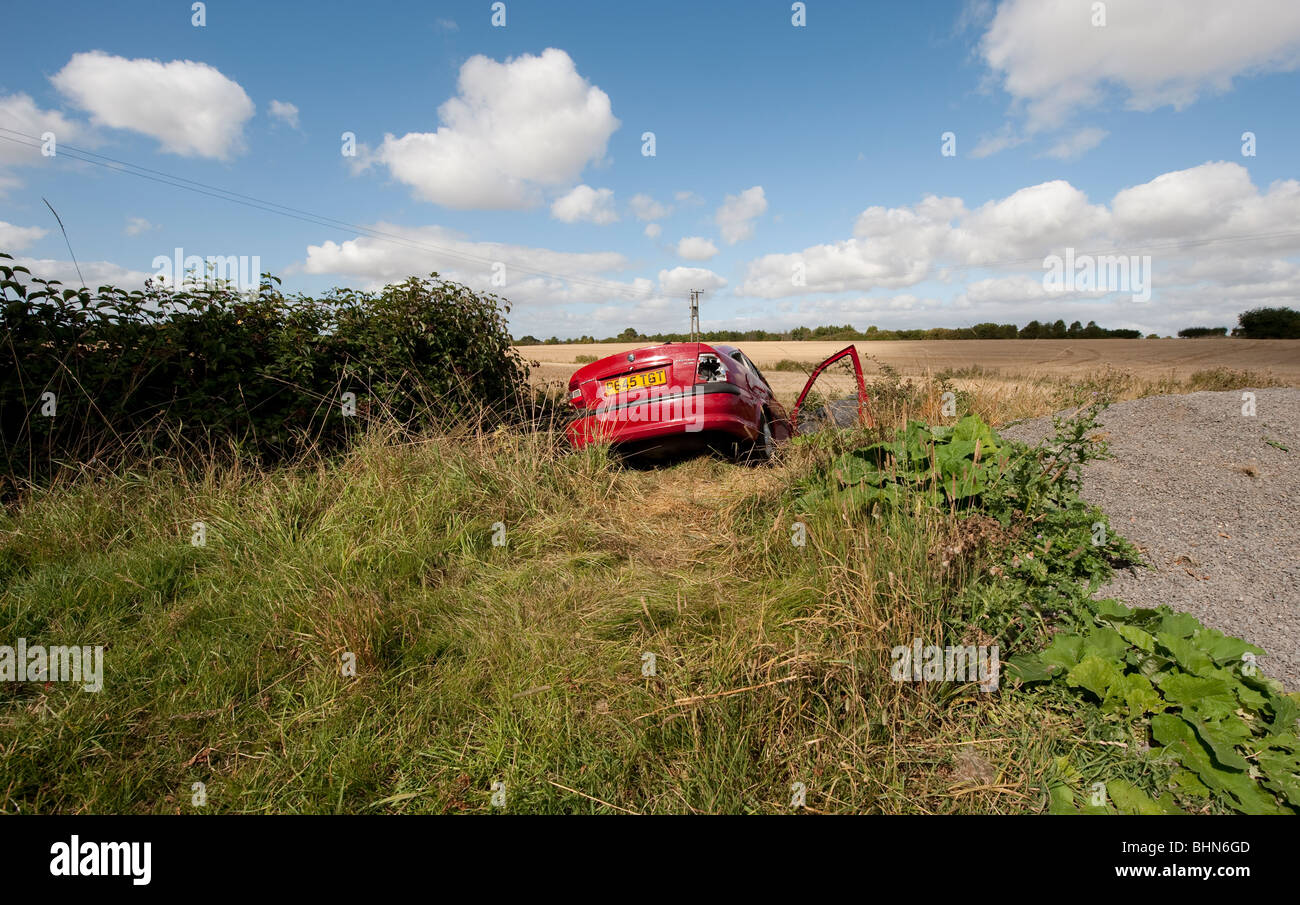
point(1147, 358)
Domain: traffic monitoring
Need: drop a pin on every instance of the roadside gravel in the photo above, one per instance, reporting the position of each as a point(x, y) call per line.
point(1214, 506)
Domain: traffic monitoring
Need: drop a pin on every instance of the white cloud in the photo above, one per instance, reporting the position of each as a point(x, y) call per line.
point(16, 238)
point(584, 203)
point(681, 280)
point(1077, 144)
point(646, 208)
point(513, 128)
point(1049, 56)
point(191, 108)
point(285, 112)
point(696, 248)
point(138, 225)
point(653, 230)
point(736, 216)
point(20, 113)
point(96, 273)
point(1212, 235)
point(419, 250)
point(1185, 202)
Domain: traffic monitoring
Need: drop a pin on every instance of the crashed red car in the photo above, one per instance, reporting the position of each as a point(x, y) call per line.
point(686, 396)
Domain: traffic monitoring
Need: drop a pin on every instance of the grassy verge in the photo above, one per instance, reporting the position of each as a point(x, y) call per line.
point(403, 628)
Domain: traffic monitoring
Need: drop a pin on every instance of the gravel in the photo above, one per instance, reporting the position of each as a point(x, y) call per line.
point(1214, 507)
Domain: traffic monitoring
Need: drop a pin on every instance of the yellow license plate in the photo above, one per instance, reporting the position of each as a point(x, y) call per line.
point(636, 381)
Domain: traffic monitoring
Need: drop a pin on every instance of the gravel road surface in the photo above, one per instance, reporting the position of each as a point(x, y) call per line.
point(1214, 505)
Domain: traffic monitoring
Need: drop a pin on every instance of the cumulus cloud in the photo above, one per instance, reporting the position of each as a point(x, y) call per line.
point(285, 112)
point(191, 108)
point(1210, 232)
point(16, 238)
point(736, 216)
point(513, 128)
point(653, 230)
point(696, 248)
point(418, 250)
point(584, 203)
point(681, 280)
point(96, 273)
point(1048, 55)
point(20, 113)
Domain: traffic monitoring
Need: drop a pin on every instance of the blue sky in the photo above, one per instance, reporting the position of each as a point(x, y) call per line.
point(780, 149)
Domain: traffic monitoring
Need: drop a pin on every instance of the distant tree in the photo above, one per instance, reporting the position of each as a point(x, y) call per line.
point(629, 335)
point(1197, 332)
point(1268, 323)
point(1058, 330)
point(528, 340)
point(1076, 329)
point(1032, 330)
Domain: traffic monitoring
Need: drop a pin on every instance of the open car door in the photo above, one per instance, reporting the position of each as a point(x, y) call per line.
point(833, 403)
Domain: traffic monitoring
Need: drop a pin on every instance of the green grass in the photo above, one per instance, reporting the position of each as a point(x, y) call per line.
point(521, 663)
point(476, 663)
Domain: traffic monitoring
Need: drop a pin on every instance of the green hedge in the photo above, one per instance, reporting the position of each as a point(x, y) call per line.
point(142, 371)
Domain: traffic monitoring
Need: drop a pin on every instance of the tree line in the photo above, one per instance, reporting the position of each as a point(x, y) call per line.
point(1258, 323)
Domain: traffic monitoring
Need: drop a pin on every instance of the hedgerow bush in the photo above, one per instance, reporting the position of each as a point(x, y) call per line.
point(111, 373)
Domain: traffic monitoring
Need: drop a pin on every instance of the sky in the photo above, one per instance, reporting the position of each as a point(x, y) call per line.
point(868, 163)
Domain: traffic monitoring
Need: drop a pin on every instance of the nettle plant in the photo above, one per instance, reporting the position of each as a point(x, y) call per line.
point(145, 371)
point(1183, 710)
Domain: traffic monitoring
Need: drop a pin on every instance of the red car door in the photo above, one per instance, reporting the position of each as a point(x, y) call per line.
point(863, 403)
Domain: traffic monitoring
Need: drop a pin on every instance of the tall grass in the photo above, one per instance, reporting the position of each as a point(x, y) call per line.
point(499, 597)
point(475, 663)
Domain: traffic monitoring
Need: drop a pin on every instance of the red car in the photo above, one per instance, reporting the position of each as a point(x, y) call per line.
point(677, 397)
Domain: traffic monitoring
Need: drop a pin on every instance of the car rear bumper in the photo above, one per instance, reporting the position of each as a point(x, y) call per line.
point(704, 409)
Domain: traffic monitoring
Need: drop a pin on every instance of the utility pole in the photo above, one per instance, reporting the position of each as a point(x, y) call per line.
point(695, 315)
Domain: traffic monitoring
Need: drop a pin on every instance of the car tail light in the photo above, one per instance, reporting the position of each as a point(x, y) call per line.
point(710, 369)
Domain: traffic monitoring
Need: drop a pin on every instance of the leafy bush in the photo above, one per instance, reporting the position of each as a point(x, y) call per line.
point(148, 371)
point(952, 464)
